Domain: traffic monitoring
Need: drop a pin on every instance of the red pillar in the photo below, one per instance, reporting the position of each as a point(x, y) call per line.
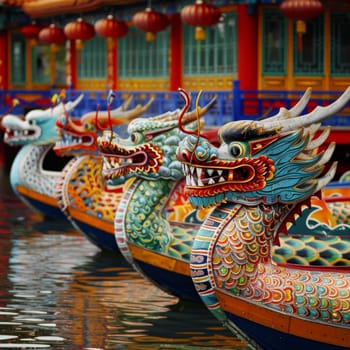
point(71, 65)
point(3, 61)
point(247, 47)
point(175, 53)
point(112, 65)
point(4, 68)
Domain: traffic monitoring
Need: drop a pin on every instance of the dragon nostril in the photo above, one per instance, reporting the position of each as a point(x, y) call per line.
point(185, 156)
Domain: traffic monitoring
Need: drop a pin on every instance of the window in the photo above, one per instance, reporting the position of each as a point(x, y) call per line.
point(217, 54)
point(308, 60)
point(139, 58)
point(273, 45)
point(60, 66)
point(92, 59)
point(41, 64)
point(18, 61)
point(340, 44)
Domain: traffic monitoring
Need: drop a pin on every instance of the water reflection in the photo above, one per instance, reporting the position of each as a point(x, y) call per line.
point(59, 291)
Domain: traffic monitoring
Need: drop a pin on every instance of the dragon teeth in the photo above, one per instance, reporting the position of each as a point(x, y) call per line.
point(211, 181)
point(194, 176)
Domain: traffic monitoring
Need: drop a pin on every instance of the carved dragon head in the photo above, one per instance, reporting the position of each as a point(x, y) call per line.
point(38, 126)
point(149, 151)
point(79, 136)
point(275, 160)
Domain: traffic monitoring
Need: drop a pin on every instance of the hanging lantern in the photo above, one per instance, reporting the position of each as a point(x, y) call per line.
point(31, 32)
point(111, 28)
point(301, 10)
point(52, 35)
point(151, 22)
point(200, 15)
point(79, 31)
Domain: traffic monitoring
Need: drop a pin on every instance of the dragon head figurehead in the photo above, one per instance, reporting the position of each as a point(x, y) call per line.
point(149, 151)
point(79, 136)
point(275, 160)
point(37, 127)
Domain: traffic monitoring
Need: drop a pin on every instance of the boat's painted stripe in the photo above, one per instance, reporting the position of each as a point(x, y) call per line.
point(103, 225)
point(162, 261)
point(24, 191)
point(315, 331)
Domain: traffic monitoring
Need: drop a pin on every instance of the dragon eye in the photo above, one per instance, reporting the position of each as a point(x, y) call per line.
point(236, 149)
point(88, 127)
point(31, 122)
point(135, 137)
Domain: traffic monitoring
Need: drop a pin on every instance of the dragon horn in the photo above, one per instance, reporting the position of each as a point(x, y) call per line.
point(190, 117)
point(284, 113)
point(139, 109)
point(66, 107)
point(317, 115)
point(126, 103)
point(173, 116)
point(119, 114)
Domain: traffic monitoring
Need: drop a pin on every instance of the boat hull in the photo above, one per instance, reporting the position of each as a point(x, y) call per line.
point(40, 203)
point(274, 331)
point(169, 274)
point(98, 231)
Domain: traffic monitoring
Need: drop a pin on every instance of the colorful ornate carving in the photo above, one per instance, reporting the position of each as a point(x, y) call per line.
point(37, 133)
point(142, 218)
point(82, 192)
point(255, 180)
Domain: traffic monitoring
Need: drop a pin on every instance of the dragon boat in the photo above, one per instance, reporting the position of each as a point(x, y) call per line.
point(35, 169)
point(153, 226)
point(254, 181)
point(155, 222)
point(82, 193)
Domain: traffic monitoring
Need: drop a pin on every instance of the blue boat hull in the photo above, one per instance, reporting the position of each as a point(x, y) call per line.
point(271, 339)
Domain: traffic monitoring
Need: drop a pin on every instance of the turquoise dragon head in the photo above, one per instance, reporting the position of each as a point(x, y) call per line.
point(149, 150)
point(38, 126)
point(279, 159)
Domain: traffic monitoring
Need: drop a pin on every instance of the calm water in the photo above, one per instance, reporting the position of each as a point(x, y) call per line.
point(58, 291)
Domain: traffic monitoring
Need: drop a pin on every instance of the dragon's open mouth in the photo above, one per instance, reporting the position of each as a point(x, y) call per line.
point(207, 176)
point(14, 134)
point(119, 161)
point(73, 141)
point(115, 166)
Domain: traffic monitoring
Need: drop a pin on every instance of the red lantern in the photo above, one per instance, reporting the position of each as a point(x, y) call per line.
point(79, 31)
point(52, 35)
point(31, 32)
point(111, 28)
point(301, 10)
point(151, 22)
point(200, 15)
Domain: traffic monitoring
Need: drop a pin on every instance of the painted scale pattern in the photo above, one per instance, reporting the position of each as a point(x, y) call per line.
point(146, 222)
point(83, 188)
point(316, 251)
point(339, 210)
point(33, 177)
point(309, 250)
point(241, 266)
